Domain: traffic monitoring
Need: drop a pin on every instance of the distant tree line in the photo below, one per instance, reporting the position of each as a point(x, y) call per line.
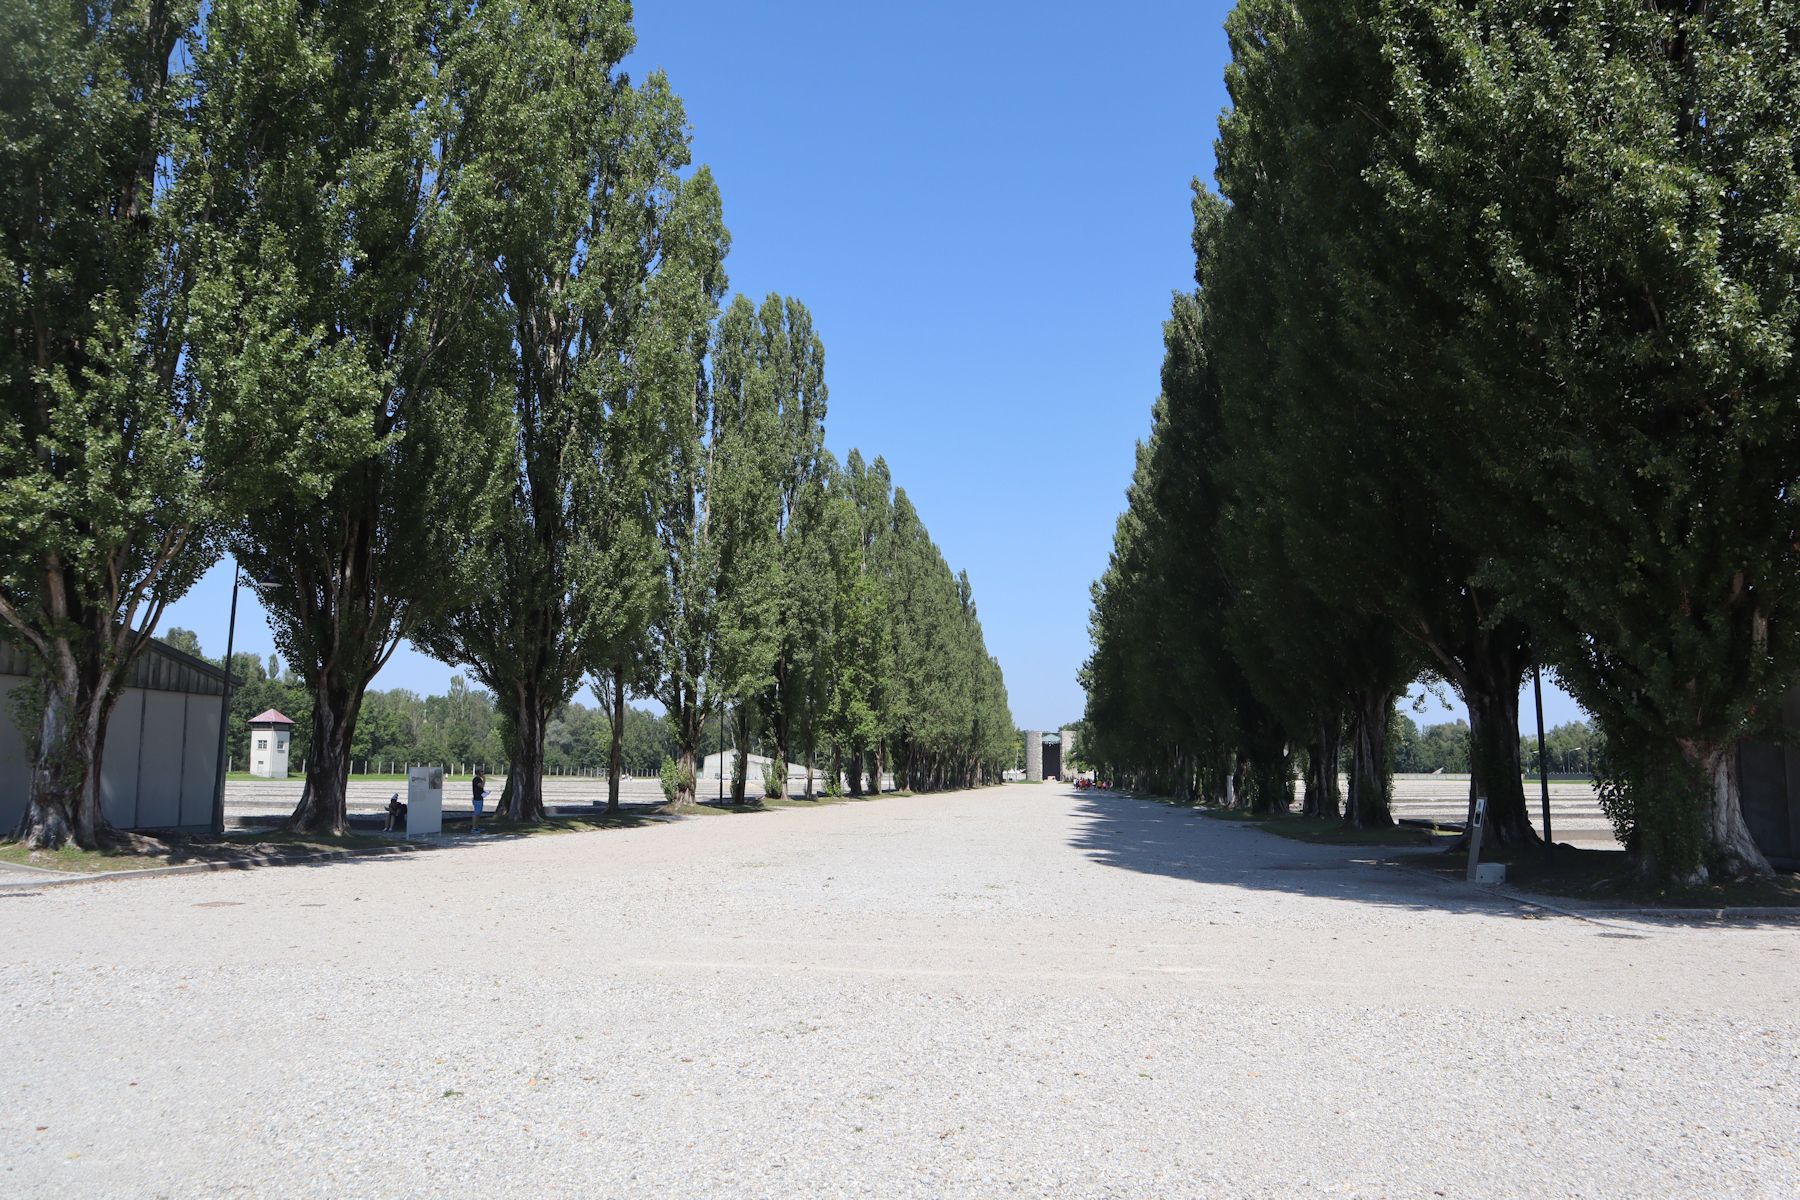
point(1492, 359)
point(1571, 748)
point(416, 310)
point(459, 728)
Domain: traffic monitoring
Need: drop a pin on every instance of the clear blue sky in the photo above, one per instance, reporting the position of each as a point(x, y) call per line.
point(986, 208)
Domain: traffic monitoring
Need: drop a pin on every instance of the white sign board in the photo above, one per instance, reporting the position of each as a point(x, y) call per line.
point(1475, 828)
point(424, 800)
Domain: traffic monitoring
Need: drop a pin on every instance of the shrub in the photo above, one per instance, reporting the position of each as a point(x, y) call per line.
point(672, 778)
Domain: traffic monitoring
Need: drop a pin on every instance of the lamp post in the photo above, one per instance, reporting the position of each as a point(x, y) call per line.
point(218, 810)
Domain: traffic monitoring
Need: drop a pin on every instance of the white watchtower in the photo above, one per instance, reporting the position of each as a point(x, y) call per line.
point(270, 733)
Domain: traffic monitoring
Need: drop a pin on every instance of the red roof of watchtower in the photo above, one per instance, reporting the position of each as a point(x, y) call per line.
point(269, 717)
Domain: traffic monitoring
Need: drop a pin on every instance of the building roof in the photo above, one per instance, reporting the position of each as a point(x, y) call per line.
point(269, 717)
point(158, 667)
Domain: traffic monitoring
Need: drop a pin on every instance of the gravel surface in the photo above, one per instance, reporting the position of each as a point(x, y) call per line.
point(1019, 991)
point(1574, 810)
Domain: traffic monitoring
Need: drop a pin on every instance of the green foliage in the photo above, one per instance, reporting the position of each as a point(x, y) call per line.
point(1632, 329)
point(370, 328)
point(592, 239)
point(677, 781)
point(416, 309)
point(1493, 356)
point(123, 460)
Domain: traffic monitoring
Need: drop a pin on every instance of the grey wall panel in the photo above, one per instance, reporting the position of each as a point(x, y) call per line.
point(1763, 775)
point(119, 760)
point(15, 764)
point(202, 763)
point(159, 772)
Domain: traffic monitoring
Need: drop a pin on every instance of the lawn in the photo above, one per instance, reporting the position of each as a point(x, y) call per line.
point(1331, 831)
point(1328, 830)
point(143, 852)
point(1607, 877)
point(499, 826)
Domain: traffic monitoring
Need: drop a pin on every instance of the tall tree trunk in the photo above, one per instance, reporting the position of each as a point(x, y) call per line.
point(1310, 792)
point(615, 761)
point(322, 807)
point(64, 800)
point(526, 779)
point(1369, 807)
point(1492, 674)
point(740, 759)
point(1324, 773)
point(781, 749)
point(855, 762)
point(1728, 838)
point(687, 747)
point(689, 768)
point(880, 766)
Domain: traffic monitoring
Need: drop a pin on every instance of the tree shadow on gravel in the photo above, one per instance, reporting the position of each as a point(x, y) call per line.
point(1180, 843)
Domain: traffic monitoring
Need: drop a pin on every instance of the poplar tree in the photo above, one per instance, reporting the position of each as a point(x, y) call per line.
point(676, 663)
point(124, 460)
point(796, 360)
point(855, 655)
point(744, 499)
point(351, 126)
point(584, 209)
point(1396, 536)
point(1627, 324)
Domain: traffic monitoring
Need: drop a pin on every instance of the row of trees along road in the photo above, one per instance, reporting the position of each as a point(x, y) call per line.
point(1492, 356)
point(416, 310)
point(459, 728)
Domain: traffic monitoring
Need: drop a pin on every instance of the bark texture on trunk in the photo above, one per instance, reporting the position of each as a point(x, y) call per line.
point(779, 792)
point(1309, 795)
point(740, 759)
point(63, 803)
point(1728, 841)
point(523, 720)
point(322, 806)
point(1491, 691)
point(685, 789)
point(687, 736)
point(615, 760)
point(1331, 797)
point(527, 800)
point(1369, 807)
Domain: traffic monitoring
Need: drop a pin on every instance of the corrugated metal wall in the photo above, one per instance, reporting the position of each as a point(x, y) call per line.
point(157, 769)
point(1770, 775)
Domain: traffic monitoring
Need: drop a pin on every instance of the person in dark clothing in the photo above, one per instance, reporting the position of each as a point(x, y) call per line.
point(478, 786)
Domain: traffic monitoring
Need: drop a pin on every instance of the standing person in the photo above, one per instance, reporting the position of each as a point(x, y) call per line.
point(478, 786)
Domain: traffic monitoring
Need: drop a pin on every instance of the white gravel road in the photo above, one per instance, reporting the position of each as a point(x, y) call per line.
point(1016, 992)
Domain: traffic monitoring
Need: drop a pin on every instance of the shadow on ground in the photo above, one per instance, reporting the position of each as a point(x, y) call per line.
point(1181, 843)
point(1154, 838)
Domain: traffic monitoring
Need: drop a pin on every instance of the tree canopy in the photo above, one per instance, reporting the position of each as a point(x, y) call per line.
point(1496, 315)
